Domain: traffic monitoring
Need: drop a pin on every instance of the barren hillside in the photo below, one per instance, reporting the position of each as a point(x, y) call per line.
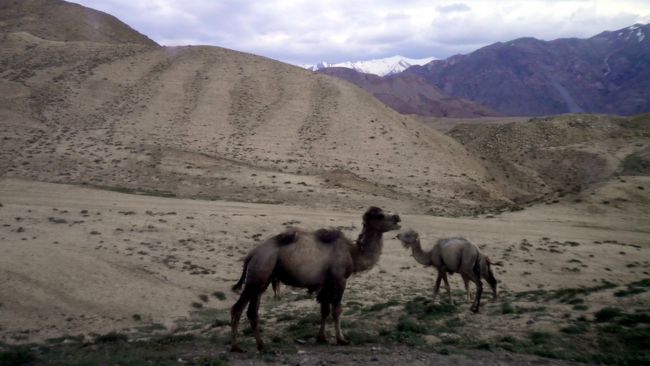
point(59, 20)
point(214, 123)
point(551, 158)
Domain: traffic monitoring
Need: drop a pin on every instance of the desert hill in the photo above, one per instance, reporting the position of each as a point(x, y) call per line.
point(410, 94)
point(606, 73)
point(213, 123)
point(59, 20)
point(552, 157)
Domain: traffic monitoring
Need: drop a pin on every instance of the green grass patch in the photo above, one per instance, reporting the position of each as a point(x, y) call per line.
point(382, 306)
point(423, 309)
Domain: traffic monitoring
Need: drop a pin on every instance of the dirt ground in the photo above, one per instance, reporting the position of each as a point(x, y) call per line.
point(80, 262)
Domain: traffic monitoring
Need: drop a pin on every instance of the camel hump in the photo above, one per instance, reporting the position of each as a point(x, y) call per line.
point(287, 237)
point(328, 236)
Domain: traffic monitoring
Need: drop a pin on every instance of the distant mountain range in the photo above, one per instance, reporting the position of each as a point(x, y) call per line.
point(382, 67)
point(607, 73)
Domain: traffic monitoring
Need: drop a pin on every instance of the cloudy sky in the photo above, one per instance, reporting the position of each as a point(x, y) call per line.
point(300, 31)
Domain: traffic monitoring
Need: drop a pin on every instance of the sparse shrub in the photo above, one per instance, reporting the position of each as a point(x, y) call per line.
point(506, 308)
point(406, 324)
point(219, 295)
point(576, 328)
point(383, 305)
point(634, 288)
point(607, 313)
point(112, 337)
point(422, 308)
point(179, 338)
point(634, 319)
point(540, 337)
point(204, 297)
point(635, 164)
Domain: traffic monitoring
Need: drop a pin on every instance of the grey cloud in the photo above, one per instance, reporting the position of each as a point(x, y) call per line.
point(339, 30)
point(453, 8)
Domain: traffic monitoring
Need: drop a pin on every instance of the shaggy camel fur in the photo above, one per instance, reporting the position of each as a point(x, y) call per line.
point(320, 261)
point(453, 255)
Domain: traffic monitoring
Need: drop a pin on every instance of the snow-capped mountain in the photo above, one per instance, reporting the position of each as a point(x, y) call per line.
point(381, 67)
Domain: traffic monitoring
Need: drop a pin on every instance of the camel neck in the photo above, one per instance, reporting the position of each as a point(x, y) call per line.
point(367, 251)
point(419, 255)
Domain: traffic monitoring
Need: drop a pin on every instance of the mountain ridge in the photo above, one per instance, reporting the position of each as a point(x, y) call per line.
point(528, 76)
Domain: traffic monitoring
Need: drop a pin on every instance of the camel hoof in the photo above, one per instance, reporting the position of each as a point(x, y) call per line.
point(260, 347)
point(236, 349)
point(321, 339)
point(342, 342)
point(474, 309)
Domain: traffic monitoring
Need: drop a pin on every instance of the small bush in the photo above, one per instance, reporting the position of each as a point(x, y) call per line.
point(538, 338)
point(608, 313)
point(577, 328)
point(219, 295)
point(112, 337)
point(635, 164)
point(506, 308)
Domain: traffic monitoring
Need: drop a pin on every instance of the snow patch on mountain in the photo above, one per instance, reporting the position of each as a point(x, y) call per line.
point(381, 67)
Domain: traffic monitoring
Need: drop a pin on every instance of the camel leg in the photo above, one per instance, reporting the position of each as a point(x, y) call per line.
point(276, 288)
point(479, 291)
point(340, 339)
point(436, 287)
point(467, 293)
point(253, 317)
point(235, 315)
point(444, 278)
point(325, 309)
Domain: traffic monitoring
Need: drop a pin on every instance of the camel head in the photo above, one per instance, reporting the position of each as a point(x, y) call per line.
point(408, 238)
point(376, 219)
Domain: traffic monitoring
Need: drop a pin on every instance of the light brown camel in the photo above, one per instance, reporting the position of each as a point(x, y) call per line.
point(319, 261)
point(453, 255)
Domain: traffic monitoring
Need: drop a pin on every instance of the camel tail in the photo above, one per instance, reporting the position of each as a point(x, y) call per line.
point(236, 287)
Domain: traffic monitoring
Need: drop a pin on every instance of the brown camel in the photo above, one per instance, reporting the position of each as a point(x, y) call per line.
point(318, 261)
point(453, 255)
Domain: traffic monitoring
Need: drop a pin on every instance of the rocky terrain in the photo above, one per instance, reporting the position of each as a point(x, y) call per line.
point(134, 178)
point(548, 158)
point(602, 74)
